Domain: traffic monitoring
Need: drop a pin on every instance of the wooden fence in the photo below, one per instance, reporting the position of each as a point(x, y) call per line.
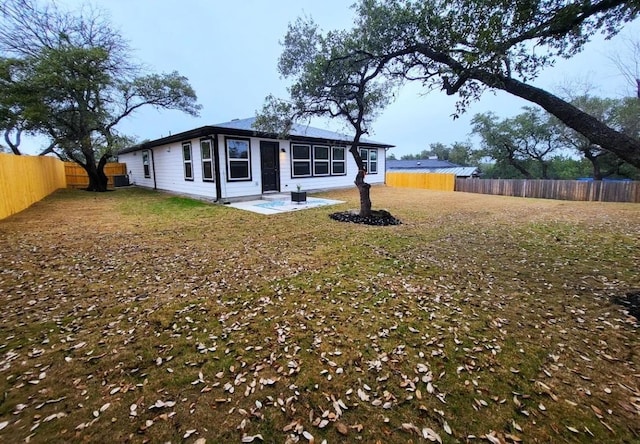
point(428, 181)
point(24, 180)
point(77, 176)
point(603, 191)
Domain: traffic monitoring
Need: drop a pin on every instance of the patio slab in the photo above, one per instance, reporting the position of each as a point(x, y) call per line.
point(284, 205)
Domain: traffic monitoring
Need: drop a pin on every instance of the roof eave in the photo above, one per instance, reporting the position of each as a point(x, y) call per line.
point(210, 130)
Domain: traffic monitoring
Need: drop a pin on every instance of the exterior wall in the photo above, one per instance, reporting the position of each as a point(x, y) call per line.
point(289, 183)
point(169, 168)
point(169, 171)
point(167, 163)
point(135, 169)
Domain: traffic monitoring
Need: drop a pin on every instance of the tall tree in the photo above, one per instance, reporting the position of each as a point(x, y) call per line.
point(328, 82)
point(524, 141)
point(70, 76)
point(468, 46)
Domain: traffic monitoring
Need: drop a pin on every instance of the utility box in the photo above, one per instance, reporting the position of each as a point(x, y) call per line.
point(121, 181)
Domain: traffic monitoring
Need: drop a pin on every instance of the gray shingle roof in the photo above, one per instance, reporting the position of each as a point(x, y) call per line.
point(297, 130)
point(244, 127)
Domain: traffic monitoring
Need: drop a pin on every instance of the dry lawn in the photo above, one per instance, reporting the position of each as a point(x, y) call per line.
point(134, 316)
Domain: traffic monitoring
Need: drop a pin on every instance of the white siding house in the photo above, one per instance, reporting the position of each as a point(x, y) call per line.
point(232, 161)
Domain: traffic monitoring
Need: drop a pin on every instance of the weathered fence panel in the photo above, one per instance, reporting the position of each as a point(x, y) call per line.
point(24, 180)
point(602, 191)
point(77, 176)
point(428, 181)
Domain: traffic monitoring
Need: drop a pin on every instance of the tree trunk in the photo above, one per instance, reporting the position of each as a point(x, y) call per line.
point(545, 169)
point(13, 145)
point(97, 179)
point(595, 164)
point(365, 195)
point(514, 163)
point(623, 146)
point(363, 187)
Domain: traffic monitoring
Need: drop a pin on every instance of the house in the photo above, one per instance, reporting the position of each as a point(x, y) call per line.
point(431, 166)
point(233, 161)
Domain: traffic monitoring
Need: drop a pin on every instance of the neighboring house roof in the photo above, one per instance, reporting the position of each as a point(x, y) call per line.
point(458, 171)
point(244, 127)
point(431, 166)
point(419, 164)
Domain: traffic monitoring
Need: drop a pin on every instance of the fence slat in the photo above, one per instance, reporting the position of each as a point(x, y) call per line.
point(24, 180)
point(603, 191)
point(429, 181)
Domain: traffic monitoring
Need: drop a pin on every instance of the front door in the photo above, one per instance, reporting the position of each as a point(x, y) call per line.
point(270, 166)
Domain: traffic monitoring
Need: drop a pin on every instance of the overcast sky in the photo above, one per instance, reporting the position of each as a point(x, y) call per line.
point(229, 50)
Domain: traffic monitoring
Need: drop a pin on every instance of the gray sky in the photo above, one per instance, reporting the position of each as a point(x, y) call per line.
point(229, 49)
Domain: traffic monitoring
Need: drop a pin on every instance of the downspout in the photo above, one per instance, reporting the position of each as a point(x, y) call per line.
point(216, 165)
point(385, 165)
point(153, 167)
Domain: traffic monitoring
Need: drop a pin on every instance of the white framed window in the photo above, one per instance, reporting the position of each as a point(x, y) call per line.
point(338, 161)
point(145, 164)
point(370, 159)
point(207, 160)
point(320, 160)
point(187, 161)
point(301, 160)
point(238, 159)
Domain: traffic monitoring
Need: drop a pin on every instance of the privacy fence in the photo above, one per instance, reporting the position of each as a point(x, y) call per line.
point(602, 191)
point(24, 180)
point(77, 176)
point(429, 181)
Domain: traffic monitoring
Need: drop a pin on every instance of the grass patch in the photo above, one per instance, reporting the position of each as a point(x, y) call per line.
point(149, 317)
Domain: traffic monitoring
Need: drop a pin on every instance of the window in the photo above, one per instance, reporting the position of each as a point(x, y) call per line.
point(320, 160)
point(207, 160)
point(301, 158)
point(145, 164)
point(186, 159)
point(238, 166)
point(373, 162)
point(370, 159)
point(338, 161)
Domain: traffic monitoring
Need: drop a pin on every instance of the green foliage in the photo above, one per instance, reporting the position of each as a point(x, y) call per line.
point(460, 153)
point(536, 145)
point(330, 79)
point(465, 47)
point(521, 142)
point(69, 76)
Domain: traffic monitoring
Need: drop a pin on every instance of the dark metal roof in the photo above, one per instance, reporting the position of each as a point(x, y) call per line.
point(419, 164)
point(458, 171)
point(244, 127)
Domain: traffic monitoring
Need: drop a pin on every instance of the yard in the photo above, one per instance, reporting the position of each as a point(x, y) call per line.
point(135, 316)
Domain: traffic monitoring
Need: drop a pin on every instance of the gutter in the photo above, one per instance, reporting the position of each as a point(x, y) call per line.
point(153, 166)
point(216, 166)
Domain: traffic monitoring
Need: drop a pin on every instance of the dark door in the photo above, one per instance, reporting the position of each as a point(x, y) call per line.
point(270, 166)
